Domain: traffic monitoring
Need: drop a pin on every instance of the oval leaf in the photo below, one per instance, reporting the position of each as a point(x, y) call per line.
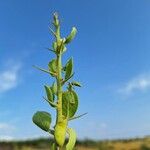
point(69, 103)
point(72, 139)
point(52, 66)
point(42, 119)
point(71, 36)
point(49, 93)
point(54, 46)
point(54, 88)
point(69, 68)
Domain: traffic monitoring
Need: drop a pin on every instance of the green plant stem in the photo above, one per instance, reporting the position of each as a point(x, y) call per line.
point(59, 88)
point(59, 77)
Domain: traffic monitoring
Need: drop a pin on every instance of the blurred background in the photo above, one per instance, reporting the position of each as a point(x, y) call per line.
point(112, 61)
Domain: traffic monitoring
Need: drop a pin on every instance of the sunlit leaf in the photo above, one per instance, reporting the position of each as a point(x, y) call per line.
point(54, 46)
point(60, 132)
point(72, 139)
point(52, 66)
point(71, 36)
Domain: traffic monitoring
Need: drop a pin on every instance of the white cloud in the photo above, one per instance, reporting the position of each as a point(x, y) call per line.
point(9, 78)
point(93, 130)
point(139, 83)
point(6, 138)
point(6, 131)
point(6, 127)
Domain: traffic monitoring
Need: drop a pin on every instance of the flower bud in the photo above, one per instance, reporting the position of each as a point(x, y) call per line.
point(56, 21)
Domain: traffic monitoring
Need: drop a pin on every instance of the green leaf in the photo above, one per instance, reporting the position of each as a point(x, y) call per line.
point(51, 103)
point(53, 67)
point(49, 93)
point(64, 81)
point(75, 83)
point(54, 88)
point(70, 103)
point(64, 49)
point(69, 69)
point(42, 119)
point(71, 36)
point(54, 46)
point(72, 139)
point(62, 46)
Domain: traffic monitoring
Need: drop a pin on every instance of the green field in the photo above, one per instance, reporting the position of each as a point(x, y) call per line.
point(44, 144)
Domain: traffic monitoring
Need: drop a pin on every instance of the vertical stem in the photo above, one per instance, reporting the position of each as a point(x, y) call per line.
point(59, 66)
point(59, 88)
point(59, 73)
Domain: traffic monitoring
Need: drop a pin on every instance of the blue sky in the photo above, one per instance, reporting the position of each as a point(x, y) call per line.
point(111, 54)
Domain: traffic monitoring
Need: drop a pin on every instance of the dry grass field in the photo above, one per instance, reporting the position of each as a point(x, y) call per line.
point(43, 144)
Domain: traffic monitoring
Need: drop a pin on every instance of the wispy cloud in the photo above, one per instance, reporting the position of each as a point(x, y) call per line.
point(9, 78)
point(6, 131)
point(93, 129)
point(138, 83)
point(6, 127)
point(6, 138)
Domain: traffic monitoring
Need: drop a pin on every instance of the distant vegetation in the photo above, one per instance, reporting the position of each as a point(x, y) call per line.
point(44, 144)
